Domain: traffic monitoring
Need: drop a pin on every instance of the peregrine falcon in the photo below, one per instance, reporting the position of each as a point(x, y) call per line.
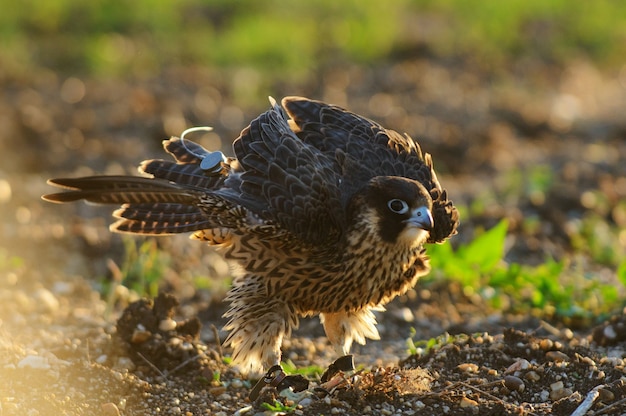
point(327, 212)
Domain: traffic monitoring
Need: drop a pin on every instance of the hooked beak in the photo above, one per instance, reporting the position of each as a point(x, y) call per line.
point(421, 218)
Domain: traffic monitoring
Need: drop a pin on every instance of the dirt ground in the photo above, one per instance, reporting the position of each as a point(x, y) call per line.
point(63, 351)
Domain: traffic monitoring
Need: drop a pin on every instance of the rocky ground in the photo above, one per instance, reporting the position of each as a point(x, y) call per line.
point(65, 352)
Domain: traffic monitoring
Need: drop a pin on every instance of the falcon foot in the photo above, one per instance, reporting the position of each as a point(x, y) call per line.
point(343, 364)
point(276, 377)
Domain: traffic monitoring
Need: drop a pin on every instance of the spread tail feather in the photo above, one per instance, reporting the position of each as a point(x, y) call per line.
point(149, 206)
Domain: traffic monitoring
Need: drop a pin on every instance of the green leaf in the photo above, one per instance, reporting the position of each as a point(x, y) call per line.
point(487, 249)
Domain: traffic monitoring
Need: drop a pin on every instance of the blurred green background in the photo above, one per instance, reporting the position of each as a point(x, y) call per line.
point(294, 39)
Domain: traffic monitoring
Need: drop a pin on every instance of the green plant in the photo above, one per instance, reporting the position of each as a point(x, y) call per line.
point(421, 347)
point(554, 288)
point(144, 266)
point(279, 407)
point(310, 371)
point(142, 269)
point(470, 264)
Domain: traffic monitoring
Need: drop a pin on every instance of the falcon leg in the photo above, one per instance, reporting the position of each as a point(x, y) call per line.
point(257, 326)
point(342, 328)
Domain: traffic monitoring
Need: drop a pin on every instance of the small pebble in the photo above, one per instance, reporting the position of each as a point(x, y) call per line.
point(559, 394)
point(556, 386)
point(243, 411)
point(305, 402)
point(467, 402)
point(532, 376)
point(609, 332)
point(557, 356)
point(521, 364)
point(546, 344)
point(588, 361)
point(606, 396)
point(167, 325)
point(404, 314)
point(224, 396)
point(514, 383)
point(140, 336)
point(216, 391)
point(468, 367)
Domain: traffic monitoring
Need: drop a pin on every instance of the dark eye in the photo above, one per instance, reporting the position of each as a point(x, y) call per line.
point(398, 206)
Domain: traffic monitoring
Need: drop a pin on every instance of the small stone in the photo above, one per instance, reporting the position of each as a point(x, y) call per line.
point(556, 386)
point(557, 356)
point(468, 367)
point(404, 314)
point(102, 359)
point(546, 344)
point(588, 361)
point(218, 390)
point(521, 364)
point(236, 383)
point(606, 396)
point(140, 336)
point(305, 402)
point(467, 402)
point(224, 396)
point(559, 394)
point(558, 391)
point(167, 325)
point(532, 376)
point(514, 383)
point(609, 332)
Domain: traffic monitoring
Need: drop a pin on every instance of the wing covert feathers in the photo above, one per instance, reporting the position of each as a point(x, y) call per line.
point(364, 149)
point(296, 167)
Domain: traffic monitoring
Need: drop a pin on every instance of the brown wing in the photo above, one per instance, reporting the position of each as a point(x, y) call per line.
point(289, 182)
point(365, 149)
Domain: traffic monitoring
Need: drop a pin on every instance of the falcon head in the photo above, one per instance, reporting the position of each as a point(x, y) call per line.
point(398, 210)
